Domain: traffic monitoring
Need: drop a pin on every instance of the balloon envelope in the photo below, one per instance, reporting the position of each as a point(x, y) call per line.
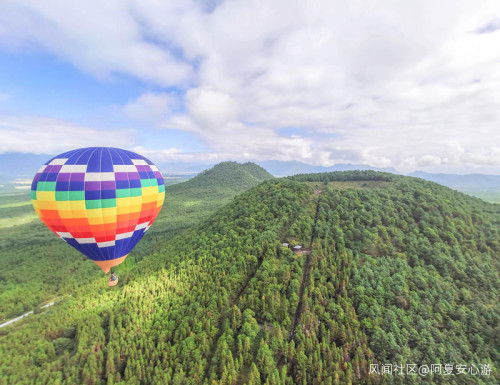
point(100, 200)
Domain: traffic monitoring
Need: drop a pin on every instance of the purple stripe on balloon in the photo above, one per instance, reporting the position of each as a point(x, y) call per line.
point(121, 176)
point(63, 177)
point(78, 177)
point(126, 176)
point(56, 168)
point(143, 168)
point(92, 186)
point(157, 174)
point(37, 176)
point(108, 185)
point(95, 185)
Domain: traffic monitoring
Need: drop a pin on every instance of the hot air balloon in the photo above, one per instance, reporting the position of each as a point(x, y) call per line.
point(100, 200)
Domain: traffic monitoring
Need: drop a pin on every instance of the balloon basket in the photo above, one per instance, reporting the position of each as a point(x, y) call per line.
point(112, 283)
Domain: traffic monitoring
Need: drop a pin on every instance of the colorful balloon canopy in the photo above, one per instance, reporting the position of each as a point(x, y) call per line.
point(100, 200)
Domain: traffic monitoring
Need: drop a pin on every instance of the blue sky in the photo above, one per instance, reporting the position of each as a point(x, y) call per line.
point(201, 82)
point(44, 85)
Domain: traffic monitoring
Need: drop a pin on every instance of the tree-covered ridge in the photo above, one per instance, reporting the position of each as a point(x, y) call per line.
point(421, 265)
point(166, 320)
point(356, 175)
point(396, 270)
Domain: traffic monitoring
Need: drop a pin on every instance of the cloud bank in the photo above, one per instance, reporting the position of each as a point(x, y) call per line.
point(412, 85)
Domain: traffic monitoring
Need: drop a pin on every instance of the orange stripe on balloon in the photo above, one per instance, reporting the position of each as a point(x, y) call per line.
point(108, 264)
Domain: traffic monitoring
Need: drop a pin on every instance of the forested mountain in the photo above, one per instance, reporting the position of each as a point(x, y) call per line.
point(229, 175)
point(395, 270)
point(483, 186)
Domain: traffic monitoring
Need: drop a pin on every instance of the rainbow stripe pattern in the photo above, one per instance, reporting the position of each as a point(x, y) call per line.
point(100, 200)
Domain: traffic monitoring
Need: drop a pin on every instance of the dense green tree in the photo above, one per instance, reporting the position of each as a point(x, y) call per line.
point(395, 270)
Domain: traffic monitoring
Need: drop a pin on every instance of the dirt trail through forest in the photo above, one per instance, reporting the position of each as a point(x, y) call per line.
point(28, 313)
point(236, 298)
point(305, 277)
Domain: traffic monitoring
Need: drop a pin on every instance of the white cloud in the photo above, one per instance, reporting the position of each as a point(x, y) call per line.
point(210, 108)
point(102, 38)
point(176, 155)
point(41, 135)
point(411, 84)
point(389, 89)
point(150, 107)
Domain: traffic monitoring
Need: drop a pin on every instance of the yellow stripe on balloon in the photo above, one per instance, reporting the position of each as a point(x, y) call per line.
point(45, 195)
point(71, 205)
point(152, 190)
point(105, 212)
point(47, 205)
point(135, 209)
point(149, 198)
point(73, 213)
point(95, 221)
point(128, 201)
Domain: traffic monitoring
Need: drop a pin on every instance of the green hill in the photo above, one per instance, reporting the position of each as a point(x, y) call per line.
point(396, 271)
point(188, 202)
point(226, 177)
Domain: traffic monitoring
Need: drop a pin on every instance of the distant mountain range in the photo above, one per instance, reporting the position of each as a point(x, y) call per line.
point(477, 181)
point(287, 168)
point(16, 165)
point(483, 186)
point(24, 166)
